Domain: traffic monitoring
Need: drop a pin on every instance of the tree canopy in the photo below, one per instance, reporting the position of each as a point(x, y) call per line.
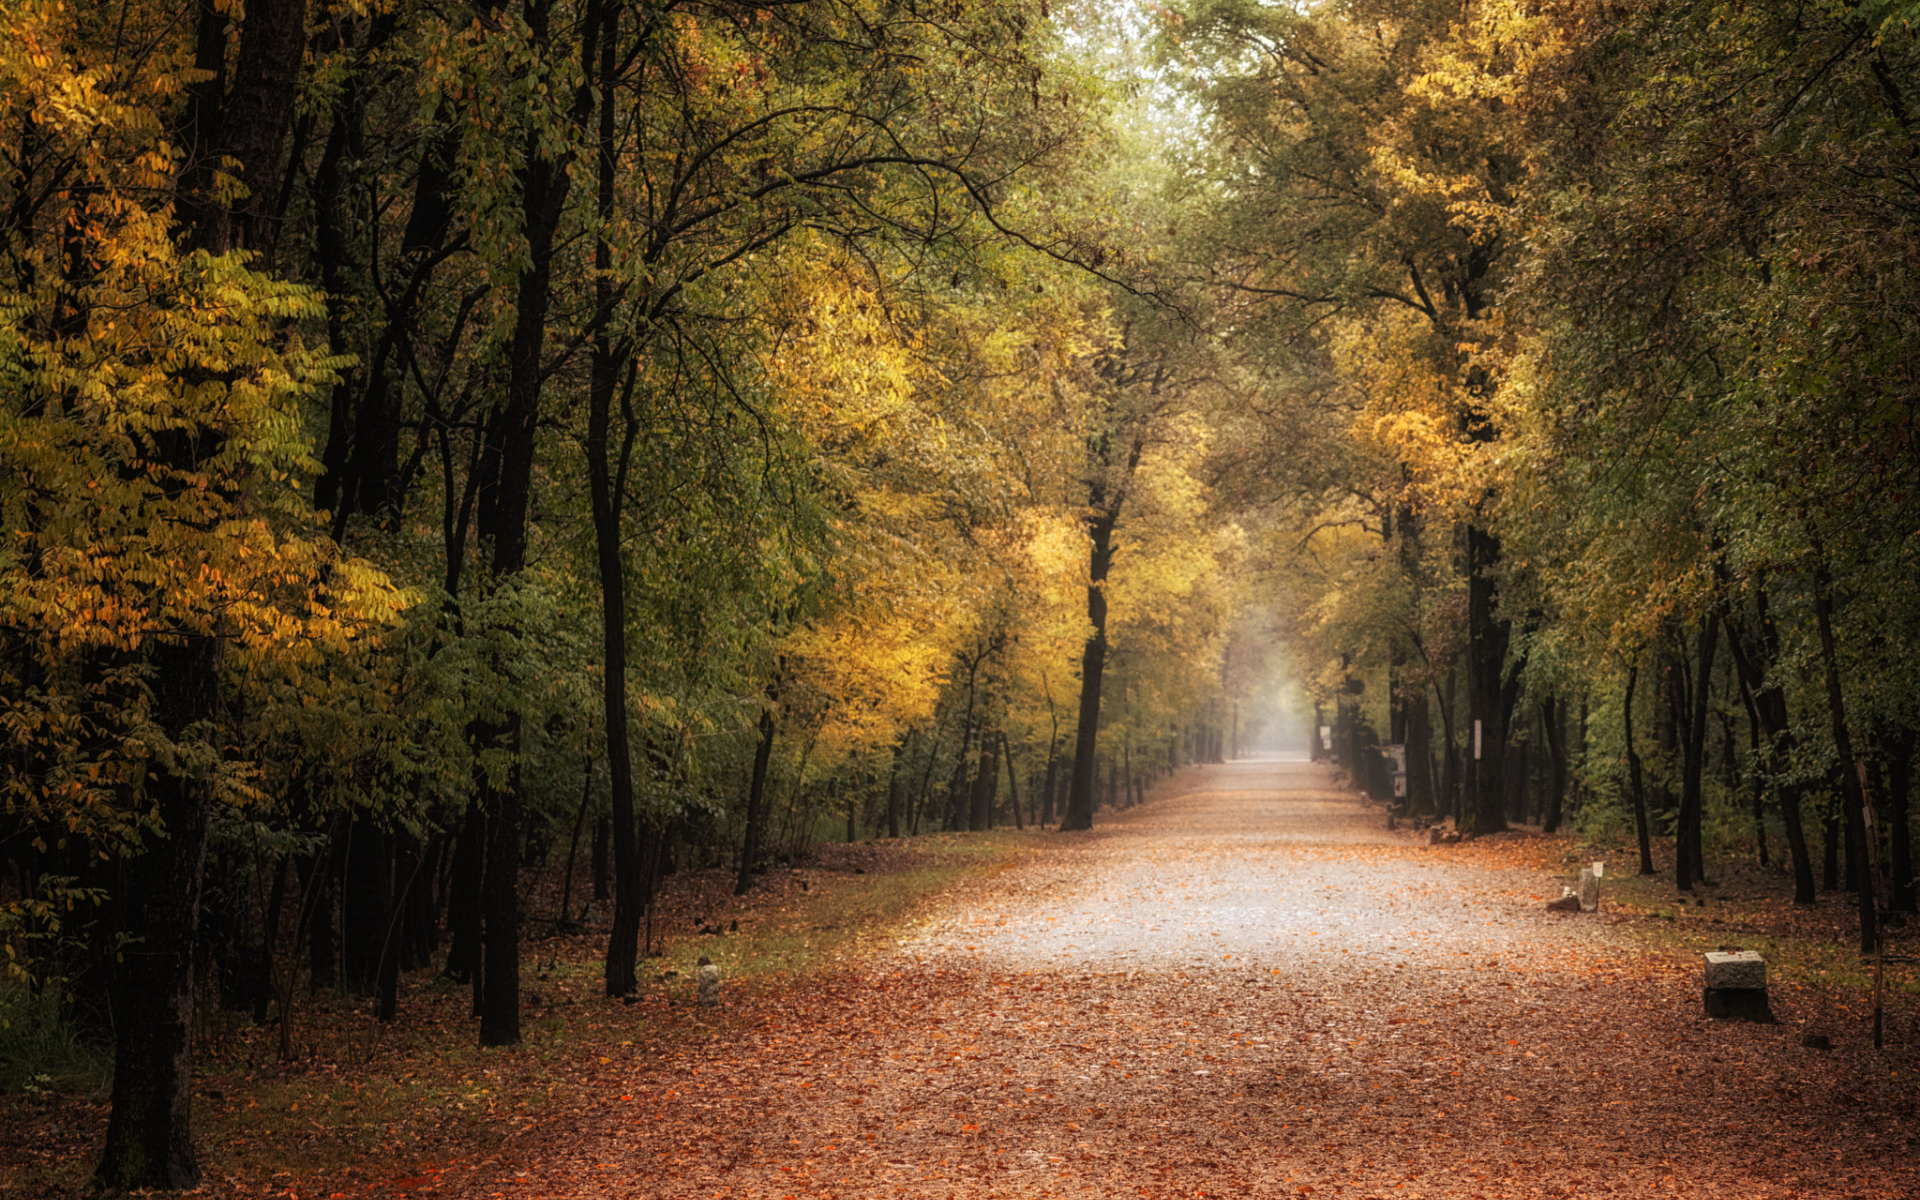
point(432, 433)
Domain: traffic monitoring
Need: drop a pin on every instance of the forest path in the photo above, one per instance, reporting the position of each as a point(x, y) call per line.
point(1251, 989)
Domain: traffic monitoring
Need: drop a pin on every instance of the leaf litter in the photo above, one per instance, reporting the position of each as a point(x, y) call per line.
point(1250, 989)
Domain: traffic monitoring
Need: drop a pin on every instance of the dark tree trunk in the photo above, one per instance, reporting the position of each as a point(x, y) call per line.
point(317, 883)
point(606, 486)
point(366, 899)
point(1419, 744)
point(1102, 518)
point(149, 1139)
point(1756, 770)
point(1852, 792)
point(1900, 744)
point(750, 848)
point(1830, 838)
point(499, 979)
point(893, 792)
point(269, 937)
point(1769, 702)
point(602, 837)
point(1670, 719)
point(986, 781)
point(506, 471)
point(1013, 784)
point(1447, 803)
point(564, 918)
point(149, 1132)
point(407, 859)
point(1689, 850)
point(924, 794)
point(1635, 781)
point(464, 921)
point(1553, 720)
point(1488, 705)
point(1052, 782)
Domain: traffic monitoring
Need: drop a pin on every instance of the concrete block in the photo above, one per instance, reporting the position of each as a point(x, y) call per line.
point(1743, 969)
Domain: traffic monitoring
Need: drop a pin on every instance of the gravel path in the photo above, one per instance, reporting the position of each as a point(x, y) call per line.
point(1254, 989)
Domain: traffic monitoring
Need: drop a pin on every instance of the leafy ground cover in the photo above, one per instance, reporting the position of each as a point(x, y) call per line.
point(1247, 987)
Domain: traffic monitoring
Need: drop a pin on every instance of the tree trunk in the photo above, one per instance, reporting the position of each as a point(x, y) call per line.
point(1447, 803)
point(756, 800)
point(149, 1132)
point(499, 978)
point(602, 851)
point(893, 794)
point(1419, 745)
point(1093, 665)
point(1756, 771)
point(1051, 784)
point(365, 902)
point(464, 921)
point(564, 918)
point(1689, 851)
point(1013, 784)
point(1635, 779)
point(149, 1139)
point(1770, 703)
point(1488, 636)
point(1899, 745)
point(1553, 719)
point(986, 781)
point(1851, 790)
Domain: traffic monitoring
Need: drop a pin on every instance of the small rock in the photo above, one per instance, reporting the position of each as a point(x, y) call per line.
point(709, 982)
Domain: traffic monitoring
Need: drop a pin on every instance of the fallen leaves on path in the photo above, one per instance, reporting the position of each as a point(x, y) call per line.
point(1252, 990)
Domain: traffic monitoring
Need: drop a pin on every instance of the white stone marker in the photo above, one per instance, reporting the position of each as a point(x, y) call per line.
point(1737, 986)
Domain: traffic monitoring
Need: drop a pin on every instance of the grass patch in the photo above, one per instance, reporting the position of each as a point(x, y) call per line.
point(842, 903)
point(42, 1052)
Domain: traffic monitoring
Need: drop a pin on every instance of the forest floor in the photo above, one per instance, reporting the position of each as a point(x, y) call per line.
point(1246, 987)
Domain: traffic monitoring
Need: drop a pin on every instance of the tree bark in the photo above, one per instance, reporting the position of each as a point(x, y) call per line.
point(1103, 513)
point(1754, 666)
point(1635, 779)
point(1553, 719)
point(1853, 794)
point(1689, 851)
point(150, 1130)
point(1899, 747)
point(1013, 783)
point(756, 800)
point(986, 780)
point(1488, 637)
point(893, 793)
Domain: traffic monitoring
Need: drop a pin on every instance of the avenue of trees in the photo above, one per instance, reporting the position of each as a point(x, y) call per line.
point(1583, 336)
point(448, 447)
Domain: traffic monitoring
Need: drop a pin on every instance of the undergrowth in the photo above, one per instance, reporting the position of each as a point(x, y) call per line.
point(40, 1051)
